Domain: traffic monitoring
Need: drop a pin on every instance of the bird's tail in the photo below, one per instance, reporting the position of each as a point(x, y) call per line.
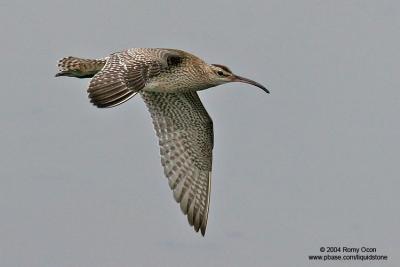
point(80, 67)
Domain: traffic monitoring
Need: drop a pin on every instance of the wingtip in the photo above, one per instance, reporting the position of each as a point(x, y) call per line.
point(203, 231)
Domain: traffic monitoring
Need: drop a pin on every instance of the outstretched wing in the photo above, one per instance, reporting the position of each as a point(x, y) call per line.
point(185, 133)
point(126, 73)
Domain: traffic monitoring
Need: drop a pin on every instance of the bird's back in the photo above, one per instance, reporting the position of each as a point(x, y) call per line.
point(163, 69)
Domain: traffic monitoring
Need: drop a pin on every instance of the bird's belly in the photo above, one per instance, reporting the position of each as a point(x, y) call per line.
point(165, 87)
point(154, 87)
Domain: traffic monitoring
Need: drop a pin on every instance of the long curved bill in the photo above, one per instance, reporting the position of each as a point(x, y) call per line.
point(245, 80)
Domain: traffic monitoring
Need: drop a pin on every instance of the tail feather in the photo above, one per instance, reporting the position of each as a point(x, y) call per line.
point(79, 67)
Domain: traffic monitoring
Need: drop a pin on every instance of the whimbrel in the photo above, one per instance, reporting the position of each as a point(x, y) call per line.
point(167, 80)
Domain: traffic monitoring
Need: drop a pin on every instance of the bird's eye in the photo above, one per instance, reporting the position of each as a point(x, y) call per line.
point(220, 73)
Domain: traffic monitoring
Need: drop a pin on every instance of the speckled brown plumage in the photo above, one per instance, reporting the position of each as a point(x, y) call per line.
point(185, 133)
point(167, 80)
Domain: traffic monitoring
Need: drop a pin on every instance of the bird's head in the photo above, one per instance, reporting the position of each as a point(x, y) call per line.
point(221, 74)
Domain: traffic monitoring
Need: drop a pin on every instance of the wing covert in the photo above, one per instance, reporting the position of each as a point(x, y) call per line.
point(125, 73)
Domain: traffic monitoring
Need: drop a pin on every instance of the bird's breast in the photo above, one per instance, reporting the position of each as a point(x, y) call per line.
point(164, 87)
point(155, 86)
point(173, 86)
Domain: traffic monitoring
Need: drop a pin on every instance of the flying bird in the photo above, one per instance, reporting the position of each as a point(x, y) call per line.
point(168, 81)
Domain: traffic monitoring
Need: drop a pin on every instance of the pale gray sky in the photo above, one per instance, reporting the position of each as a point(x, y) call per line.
point(316, 163)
